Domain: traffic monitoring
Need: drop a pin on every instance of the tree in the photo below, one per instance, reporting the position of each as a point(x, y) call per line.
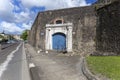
point(24, 35)
point(1, 36)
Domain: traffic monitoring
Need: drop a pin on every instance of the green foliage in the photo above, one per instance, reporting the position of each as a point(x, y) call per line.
point(24, 35)
point(3, 39)
point(108, 66)
point(1, 36)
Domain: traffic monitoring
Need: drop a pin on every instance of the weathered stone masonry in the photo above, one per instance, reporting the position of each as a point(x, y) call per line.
point(94, 28)
point(83, 33)
point(108, 29)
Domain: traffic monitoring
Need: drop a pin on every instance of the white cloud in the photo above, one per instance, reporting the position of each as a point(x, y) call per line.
point(7, 13)
point(6, 8)
point(14, 28)
point(27, 26)
point(16, 8)
point(22, 17)
point(10, 19)
point(10, 27)
point(49, 4)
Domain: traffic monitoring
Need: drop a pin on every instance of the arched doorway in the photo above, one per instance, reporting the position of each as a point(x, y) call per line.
point(63, 32)
point(59, 41)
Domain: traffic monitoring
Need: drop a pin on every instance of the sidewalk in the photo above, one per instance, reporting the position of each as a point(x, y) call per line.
point(55, 66)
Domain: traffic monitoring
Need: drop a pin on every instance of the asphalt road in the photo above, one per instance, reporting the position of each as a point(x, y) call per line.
point(13, 64)
point(6, 45)
point(55, 66)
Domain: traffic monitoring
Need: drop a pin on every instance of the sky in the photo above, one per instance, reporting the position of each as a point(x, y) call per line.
point(19, 15)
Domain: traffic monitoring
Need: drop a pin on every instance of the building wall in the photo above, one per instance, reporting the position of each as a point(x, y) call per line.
point(84, 22)
point(108, 29)
point(32, 34)
point(94, 29)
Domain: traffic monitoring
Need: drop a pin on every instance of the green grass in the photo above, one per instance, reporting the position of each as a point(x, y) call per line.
point(108, 66)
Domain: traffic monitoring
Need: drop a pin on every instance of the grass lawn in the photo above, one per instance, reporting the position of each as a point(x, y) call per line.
point(108, 66)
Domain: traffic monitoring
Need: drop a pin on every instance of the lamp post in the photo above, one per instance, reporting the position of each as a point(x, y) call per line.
point(0, 47)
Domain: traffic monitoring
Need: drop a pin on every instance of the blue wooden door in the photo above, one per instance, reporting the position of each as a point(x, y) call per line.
point(59, 41)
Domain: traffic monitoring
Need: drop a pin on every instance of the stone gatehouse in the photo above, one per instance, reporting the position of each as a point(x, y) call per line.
point(73, 29)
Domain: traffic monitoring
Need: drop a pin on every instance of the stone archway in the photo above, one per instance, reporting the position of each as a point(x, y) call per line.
point(52, 29)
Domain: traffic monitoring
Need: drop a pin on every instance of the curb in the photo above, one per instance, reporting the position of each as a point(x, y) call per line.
point(25, 67)
point(33, 70)
point(86, 72)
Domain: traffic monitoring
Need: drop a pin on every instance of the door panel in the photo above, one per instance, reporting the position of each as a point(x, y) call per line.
point(59, 41)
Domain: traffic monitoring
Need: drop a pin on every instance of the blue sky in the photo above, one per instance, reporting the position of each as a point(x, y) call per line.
point(18, 15)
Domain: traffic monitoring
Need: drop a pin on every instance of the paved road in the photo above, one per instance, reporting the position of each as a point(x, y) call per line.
point(53, 66)
point(6, 45)
point(13, 64)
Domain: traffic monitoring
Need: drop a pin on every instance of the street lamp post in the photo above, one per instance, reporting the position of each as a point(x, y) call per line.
point(0, 47)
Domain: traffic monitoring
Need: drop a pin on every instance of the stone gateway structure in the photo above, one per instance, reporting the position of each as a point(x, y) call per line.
point(59, 36)
point(71, 29)
point(74, 30)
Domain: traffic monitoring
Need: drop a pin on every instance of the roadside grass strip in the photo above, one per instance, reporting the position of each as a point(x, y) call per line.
point(108, 66)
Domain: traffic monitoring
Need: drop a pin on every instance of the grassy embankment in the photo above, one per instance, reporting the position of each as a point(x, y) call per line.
point(108, 66)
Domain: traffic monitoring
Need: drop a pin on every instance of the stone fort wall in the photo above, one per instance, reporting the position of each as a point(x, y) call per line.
point(95, 28)
point(108, 29)
point(84, 27)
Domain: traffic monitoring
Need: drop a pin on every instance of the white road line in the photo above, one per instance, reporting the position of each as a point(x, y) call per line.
point(4, 65)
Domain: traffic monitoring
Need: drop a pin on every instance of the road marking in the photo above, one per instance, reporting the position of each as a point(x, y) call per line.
point(4, 65)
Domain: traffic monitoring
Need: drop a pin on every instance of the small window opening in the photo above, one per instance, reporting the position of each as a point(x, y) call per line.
point(59, 22)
